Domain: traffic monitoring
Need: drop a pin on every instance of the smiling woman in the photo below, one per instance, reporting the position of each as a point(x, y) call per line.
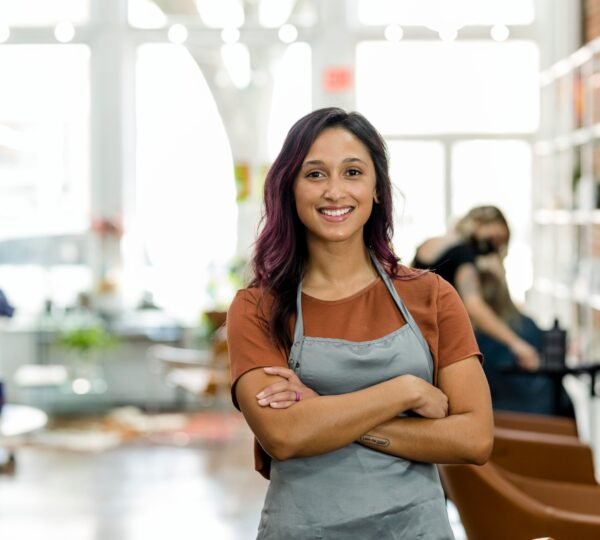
point(335, 189)
point(346, 361)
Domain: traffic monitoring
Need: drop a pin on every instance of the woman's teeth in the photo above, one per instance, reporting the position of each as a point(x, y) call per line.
point(335, 213)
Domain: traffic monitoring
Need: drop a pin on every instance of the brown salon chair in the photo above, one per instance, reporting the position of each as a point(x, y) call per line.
point(558, 425)
point(497, 505)
point(546, 456)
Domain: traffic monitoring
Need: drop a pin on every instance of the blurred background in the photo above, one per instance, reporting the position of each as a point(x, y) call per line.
point(135, 136)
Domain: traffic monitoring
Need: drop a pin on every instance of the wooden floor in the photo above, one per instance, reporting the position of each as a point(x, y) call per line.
point(134, 492)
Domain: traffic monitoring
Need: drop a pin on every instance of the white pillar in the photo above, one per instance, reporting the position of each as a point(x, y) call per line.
point(333, 47)
point(112, 123)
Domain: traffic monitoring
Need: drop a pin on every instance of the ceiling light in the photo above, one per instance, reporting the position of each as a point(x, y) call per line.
point(178, 34)
point(448, 34)
point(499, 32)
point(230, 35)
point(288, 33)
point(393, 32)
point(64, 32)
point(274, 13)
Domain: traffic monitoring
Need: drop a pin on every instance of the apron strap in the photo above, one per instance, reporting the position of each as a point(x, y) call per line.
point(298, 332)
point(402, 306)
point(299, 326)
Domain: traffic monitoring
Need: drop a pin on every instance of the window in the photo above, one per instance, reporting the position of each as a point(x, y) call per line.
point(222, 13)
point(44, 139)
point(499, 173)
point(417, 174)
point(431, 12)
point(292, 94)
point(43, 12)
point(185, 183)
point(437, 87)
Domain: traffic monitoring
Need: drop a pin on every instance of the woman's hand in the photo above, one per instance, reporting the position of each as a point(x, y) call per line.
point(527, 356)
point(285, 393)
point(430, 401)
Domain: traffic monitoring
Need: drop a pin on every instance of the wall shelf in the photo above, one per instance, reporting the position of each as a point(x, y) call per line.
point(566, 195)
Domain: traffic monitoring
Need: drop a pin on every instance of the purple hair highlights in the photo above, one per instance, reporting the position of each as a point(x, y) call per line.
point(280, 252)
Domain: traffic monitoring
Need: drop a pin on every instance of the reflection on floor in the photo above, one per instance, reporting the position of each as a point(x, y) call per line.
point(134, 492)
point(141, 490)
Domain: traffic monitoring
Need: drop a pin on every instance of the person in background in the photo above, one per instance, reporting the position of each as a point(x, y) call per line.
point(355, 373)
point(511, 391)
point(483, 230)
point(6, 309)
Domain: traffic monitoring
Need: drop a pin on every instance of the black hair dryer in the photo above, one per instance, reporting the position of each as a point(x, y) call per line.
point(554, 346)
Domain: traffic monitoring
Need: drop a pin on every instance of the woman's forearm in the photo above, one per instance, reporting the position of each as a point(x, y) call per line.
point(487, 321)
point(454, 439)
point(466, 435)
point(326, 423)
point(468, 286)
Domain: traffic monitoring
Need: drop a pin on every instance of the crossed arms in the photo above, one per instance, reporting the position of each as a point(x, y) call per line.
point(455, 423)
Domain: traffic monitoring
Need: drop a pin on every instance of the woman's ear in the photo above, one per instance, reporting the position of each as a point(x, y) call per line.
point(375, 198)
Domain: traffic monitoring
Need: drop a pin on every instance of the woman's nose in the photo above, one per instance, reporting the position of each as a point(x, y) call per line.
point(333, 188)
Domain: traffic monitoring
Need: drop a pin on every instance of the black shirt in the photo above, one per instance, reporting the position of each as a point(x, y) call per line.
point(447, 264)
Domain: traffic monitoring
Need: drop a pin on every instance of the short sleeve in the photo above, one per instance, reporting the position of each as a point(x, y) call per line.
point(248, 341)
point(456, 339)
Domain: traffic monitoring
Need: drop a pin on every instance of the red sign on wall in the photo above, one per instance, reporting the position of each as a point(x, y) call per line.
point(337, 79)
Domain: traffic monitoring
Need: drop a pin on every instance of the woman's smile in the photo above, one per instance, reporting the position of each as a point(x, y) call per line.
point(335, 214)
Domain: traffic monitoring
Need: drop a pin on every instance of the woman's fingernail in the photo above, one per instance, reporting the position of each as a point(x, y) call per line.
point(262, 402)
point(260, 395)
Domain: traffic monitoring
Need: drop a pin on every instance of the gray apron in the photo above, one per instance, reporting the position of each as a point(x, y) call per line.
point(356, 492)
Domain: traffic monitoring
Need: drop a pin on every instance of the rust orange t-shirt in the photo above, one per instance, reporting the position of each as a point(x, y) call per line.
point(367, 315)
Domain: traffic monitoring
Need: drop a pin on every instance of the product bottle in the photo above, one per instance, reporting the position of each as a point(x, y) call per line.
point(554, 347)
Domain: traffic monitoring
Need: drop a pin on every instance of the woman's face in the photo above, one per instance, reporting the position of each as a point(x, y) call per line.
point(335, 188)
point(495, 233)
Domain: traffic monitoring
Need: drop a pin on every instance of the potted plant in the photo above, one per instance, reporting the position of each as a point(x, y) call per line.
point(85, 344)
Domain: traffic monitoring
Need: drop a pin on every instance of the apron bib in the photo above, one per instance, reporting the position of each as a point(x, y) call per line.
point(356, 492)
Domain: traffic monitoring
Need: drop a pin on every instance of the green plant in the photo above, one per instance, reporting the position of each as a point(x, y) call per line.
point(87, 339)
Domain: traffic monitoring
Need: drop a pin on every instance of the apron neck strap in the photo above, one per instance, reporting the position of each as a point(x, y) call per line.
point(299, 328)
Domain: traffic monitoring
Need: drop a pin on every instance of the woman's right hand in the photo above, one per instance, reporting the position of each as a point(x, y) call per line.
point(286, 392)
point(430, 401)
point(526, 355)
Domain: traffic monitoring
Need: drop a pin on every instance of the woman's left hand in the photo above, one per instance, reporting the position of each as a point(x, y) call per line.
point(285, 393)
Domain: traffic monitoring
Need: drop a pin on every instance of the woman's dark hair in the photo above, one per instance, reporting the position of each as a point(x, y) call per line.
point(280, 252)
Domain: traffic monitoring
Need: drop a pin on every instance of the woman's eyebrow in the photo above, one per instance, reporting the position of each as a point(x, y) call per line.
point(312, 162)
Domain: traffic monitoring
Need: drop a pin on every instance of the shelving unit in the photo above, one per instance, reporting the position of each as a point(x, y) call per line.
point(566, 201)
